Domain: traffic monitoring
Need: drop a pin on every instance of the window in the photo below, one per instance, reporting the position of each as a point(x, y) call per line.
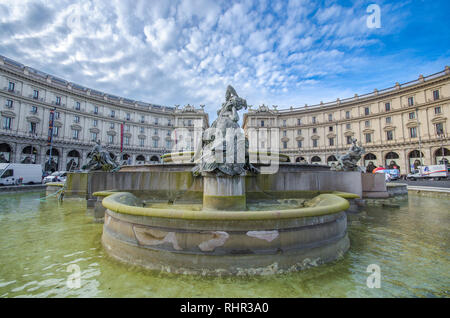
point(347, 114)
point(155, 132)
point(127, 140)
point(8, 173)
point(111, 126)
point(366, 111)
point(413, 132)
point(35, 94)
point(412, 115)
point(142, 119)
point(389, 135)
point(315, 143)
point(77, 105)
point(299, 121)
point(75, 133)
point(93, 136)
point(410, 101)
point(349, 140)
point(314, 119)
point(330, 117)
point(156, 121)
point(437, 110)
point(436, 94)
point(284, 122)
point(284, 133)
point(348, 126)
point(113, 113)
point(95, 110)
point(142, 130)
point(141, 142)
point(55, 131)
point(127, 128)
point(168, 144)
point(388, 120)
point(284, 144)
point(367, 123)
point(110, 139)
point(34, 109)
point(314, 130)
point(299, 143)
point(58, 100)
point(95, 122)
point(9, 103)
point(57, 115)
point(11, 86)
point(368, 137)
point(155, 143)
point(262, 123)
point(330, 128)
point(440, 128)
point(331, 141)
point(7, 123)
point(387, 107)
point(128, 116)
point(76, 119)
point(299, 132)
point(169, 122)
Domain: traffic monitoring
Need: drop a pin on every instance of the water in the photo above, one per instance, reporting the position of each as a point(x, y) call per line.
point(40, 239)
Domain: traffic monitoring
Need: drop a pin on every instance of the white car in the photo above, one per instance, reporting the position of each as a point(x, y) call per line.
point(57, 176)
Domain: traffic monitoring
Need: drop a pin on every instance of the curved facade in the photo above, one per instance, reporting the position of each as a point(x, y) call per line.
point(82, 116)
point(401, 125)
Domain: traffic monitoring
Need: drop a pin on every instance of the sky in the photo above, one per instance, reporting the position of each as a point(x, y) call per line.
point(284, 53)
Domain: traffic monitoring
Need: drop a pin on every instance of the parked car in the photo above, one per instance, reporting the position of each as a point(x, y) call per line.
point(20, 173)
point(57, 176)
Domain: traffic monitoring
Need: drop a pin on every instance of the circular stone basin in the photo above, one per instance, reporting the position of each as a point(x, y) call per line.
point(268, 238)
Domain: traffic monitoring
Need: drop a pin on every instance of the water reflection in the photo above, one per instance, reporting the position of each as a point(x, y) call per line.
point(40, 239)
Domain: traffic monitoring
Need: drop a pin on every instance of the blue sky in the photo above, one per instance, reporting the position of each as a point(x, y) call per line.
point(284, 53)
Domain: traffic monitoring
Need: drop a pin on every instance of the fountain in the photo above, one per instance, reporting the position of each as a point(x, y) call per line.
point(219, 213)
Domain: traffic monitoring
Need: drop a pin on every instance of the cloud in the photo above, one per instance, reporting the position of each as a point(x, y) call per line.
point(179, 52)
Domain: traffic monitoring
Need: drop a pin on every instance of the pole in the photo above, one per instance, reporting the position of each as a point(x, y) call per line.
point(418, 132)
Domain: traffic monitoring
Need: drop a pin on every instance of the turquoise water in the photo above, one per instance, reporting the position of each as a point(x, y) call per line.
point(41, 239)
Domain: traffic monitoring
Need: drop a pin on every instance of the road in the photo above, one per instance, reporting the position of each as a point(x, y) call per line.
point(426, 183)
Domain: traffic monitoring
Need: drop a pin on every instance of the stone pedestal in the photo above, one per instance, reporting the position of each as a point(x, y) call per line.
point(224, 192)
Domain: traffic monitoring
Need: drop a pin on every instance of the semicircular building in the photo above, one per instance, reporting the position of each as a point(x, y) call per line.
point(398, 126)
point(82, 115)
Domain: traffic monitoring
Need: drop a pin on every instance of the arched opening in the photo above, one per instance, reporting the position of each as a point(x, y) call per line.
point(442, 156)
point(5, 153)
point(154, 159)
point(140, 159)
point(29, 155)
point(332, 161)
point(316, 160)
point(369, 159)
point(300, 160)
point(52, 164)
point(126, 159)
point(391, 160)
point(415, 159)
point(73, 160)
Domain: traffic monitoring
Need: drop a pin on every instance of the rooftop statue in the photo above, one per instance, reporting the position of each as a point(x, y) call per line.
point(211, 155)
point(100, 159)
point(349, 161)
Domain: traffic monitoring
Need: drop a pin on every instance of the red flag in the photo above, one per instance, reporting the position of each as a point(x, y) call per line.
point(121, 137)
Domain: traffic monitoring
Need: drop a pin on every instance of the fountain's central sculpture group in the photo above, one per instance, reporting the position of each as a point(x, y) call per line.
point(224, 147)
